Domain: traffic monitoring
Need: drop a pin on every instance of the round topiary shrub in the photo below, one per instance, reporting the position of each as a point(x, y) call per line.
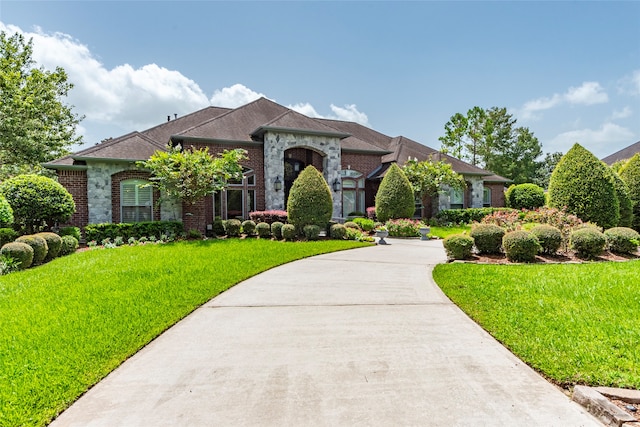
point(218, 227)
point(525, 196)
point(311, 232)
point(520, 246)
point(487, 238)
point(20, 252)
point(583, 184)
point(622, 240)
point(263, 229)
point(588, 242)
point(7, 235)
point(458, 246)
point(249, 227)
point(276, 230)
point(54, 242)
point(6, 213)
point(39, 246)
point(351, 224)
point(233, 227)
point(37, 201)
point(395, 198)
point(310, 200)
point(289, 232)
point(69, 245)
point(549, 237)
point(338, 232)
point(630, 174)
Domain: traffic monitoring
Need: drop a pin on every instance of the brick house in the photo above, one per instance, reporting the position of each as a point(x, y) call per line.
point(106, 184)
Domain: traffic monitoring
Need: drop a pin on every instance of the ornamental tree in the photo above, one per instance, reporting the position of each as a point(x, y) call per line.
point(429, 178)
point(395, 198)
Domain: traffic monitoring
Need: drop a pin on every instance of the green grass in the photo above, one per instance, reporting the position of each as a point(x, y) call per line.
point(575, 323)
point(67, 324)
point(443, 232)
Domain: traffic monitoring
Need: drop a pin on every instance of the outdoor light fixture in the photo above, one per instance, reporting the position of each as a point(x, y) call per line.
point(277, 184)
point(336, 185)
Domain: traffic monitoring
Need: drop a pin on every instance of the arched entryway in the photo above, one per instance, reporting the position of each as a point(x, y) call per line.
point(295, 160)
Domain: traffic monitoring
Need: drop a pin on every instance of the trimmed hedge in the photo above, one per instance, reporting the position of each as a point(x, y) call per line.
point(249, 227)
point(352, 224)
point(233, 227)
point(520, 246)
point(7, 235)
point(268, 216)
point(338, 231)
point(395, 198)
point(20, 252)
point(69, 245)
point(630, 174)
point(54, 242)
point(626, 206)
point(289, 232)
point(263, 229)
point(525, 196)
point(622, 240)
point(458, 246)
point(276, 230)
point(310, 200)
point(588, 242)
point(467, 216)
point(99, 232)
point(487, 238)
point(549, 237)
point(39, 246)
point(311, 232)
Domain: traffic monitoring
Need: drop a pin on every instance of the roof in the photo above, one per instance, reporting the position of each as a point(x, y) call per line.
point(624, 154)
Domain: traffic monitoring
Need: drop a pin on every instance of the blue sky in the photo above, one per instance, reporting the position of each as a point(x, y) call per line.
point(570, 71)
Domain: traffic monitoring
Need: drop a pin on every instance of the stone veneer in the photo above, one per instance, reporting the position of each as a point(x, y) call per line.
point(275, 145)
point(99, 190)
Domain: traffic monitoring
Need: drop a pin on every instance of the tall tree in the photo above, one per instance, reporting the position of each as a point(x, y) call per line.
point(35, 124)
point(545, 169)
point(429, 178)
point(464, 136)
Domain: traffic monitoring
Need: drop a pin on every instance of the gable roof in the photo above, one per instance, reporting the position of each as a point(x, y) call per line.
point(292, 121)
point(625, 153)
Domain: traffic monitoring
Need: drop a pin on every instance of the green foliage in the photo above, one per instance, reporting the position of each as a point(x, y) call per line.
point(193, 234)
point(8, 264)
point(508, 220)
point(487, 238)
point(365, 224)
point(311, 232)
point(54, 242)
point(249, 227)
point(549, 237)
point(466, 216)
point(264, 230)
point(218, 227)
point(357, 235)
point(269, 217)
point(36, 126)
point(39, 246)
point(403, 227)
point(289, 232)
point(622, 240)
point(6, 213)
point(37, 201)
point(626, 207)
point(338, 231)
point(559, 218)
point(276, 230)
point(630, 174)
point(191, 174)
point(545, 169)
point(20, 252)
point(525, 196)
point(520, 246)
point(70, 231)
point(429, 177)
point(352, 224)
point(7, 235)
point(395, 197)
point(99, 232)
point(458, 246)
point(583, 185)
point(309, 200)
point(233, 227)
point(588, 242)
point(69, 245)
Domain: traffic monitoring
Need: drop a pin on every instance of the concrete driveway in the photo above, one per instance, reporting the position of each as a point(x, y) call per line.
point(362, 337)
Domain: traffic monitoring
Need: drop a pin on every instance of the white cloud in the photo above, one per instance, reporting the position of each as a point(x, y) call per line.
point(600, 141)
point(348, 113)
point(234, 96)
point(630, 84)
point(621, 114)
point(306, 109)
point(589, 93)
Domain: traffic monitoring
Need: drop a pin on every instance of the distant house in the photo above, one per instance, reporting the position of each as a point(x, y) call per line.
point(624, 154)
point(108, 187)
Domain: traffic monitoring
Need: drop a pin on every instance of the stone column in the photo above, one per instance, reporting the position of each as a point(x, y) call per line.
point(273, 168)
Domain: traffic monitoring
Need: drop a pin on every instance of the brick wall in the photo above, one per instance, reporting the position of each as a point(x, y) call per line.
point(75, 181)
point(365, 163)
point(116, 179)
point(497, 195)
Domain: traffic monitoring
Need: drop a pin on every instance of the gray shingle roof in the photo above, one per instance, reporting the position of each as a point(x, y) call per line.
point(625, 153)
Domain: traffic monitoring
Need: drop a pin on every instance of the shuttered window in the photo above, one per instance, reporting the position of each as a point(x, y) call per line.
point(136, 201)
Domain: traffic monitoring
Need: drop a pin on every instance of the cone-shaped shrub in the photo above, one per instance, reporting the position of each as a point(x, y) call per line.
point(525, 196)
point(310, 201)
point(395, 197)
point(630, 174)
point(584, 185)
point(622, 192)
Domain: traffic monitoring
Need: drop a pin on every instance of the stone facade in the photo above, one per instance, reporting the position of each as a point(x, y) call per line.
point(99, 200)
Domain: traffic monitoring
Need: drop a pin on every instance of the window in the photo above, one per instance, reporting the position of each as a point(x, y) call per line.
point(136, 201)
point(352, 192)
point(486, 197)
point(456, 199)
point(238, 199)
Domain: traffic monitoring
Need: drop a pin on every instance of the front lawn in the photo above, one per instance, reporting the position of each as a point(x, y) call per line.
point(575, 323)
point(67, 324)
point(443, 232)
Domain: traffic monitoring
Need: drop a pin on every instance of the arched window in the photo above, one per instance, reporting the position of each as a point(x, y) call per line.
point(352, 192)
point(136, 201)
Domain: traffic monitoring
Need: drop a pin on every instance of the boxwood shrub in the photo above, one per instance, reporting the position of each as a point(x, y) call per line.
point(249, 227)
point(39, 246)
point(467, 216)
point(520, 246)
point(458, 246)
point(487, 238)
point(99, 232)
point(351, 224)
point(233, 227)
point(69, 245)
point(588, 242)
point(338, 231)
point(549, 237)
point(289, 232)
point(311, 232)
point(525, 196)
point(276, 230)
point(622, 240)
point(218, 227)
point(263, 229)
point(54, 242)
point(21, 252)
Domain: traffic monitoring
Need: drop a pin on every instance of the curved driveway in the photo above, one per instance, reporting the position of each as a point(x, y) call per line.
point(362, 337)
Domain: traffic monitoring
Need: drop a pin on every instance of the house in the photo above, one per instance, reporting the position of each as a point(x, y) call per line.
point(108, 187)
point(624, 154)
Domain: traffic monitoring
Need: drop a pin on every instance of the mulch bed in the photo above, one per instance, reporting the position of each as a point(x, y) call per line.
point(560, 258)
